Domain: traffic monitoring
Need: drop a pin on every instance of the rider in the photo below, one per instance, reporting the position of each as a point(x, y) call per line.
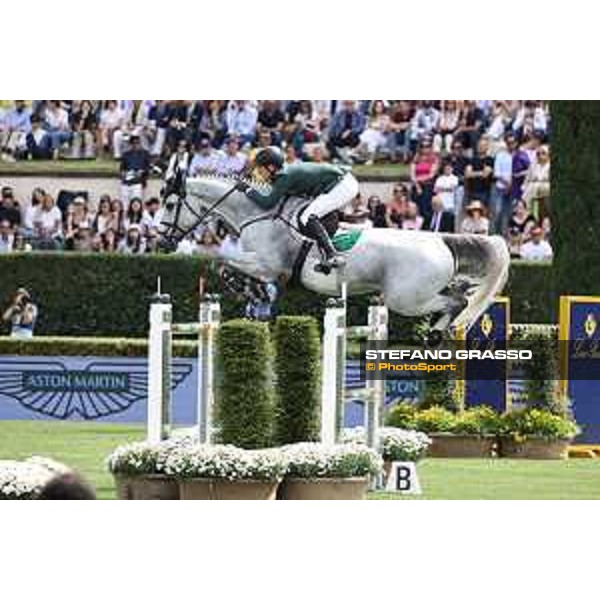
point(329, 187)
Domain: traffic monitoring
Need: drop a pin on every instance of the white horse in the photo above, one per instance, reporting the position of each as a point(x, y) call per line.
point(455, 277)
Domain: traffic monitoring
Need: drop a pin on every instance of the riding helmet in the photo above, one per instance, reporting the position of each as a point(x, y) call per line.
point(269, 156)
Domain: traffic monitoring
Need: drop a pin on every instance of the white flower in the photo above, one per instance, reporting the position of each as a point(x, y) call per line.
point(25, 479)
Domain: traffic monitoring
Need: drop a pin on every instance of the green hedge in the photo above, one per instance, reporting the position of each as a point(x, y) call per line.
point(244, 399)
point(108, 295)
point(297, 371)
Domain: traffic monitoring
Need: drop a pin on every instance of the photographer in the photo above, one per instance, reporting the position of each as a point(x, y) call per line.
point(22, 315)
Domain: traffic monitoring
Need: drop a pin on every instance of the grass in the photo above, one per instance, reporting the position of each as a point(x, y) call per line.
point(85, 445)
point(104, 167)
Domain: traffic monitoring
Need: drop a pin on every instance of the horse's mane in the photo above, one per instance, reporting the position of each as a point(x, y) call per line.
point(234, 178)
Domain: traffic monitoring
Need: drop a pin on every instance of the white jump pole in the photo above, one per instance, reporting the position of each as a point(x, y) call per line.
point(333, 371)
point(378, 326)
point(159, 368)
point(209, 317)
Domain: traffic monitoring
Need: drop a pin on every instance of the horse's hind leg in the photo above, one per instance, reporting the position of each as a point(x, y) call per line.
point(443, 308)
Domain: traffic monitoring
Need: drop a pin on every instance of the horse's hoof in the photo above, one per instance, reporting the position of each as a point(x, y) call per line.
point(434, 338)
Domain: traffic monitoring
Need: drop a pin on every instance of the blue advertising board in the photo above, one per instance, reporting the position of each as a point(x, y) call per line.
point(579, 332)
point(486, 381)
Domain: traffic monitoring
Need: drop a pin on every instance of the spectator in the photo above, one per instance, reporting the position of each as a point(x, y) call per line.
point(56, 119)
point(7, 237)
point(445, 188)
point(271, 120)
point(104, 217)
point(475, 221)
point(135, 213)
point(241, 119)
point(213, 123)
point(377, 212)
point(401, 116)
point(441, 220)
point(84, 123)
point(500, 201)
point(177, 170)
point(396, 207)
point(109, 241)
point(22, 314)
point(47, 225)
point(424, 123)
point(536, 187)
point(111, 120)
point(289, 155)
point(29, 211)
point(412, 220)
point(356, 215)
point(499, 121)
point(133, 242)
point(344, 132)
point(135, 168)
point(135, 121)
point(447, 125)
point(177, 129)
point(231, 161)
point(83, 240)
point(204, 160)
point(118, 217)
point(152, 215)
point(519, 227)
point(9, 209)
point(537, 248)
point(520, 166)
point(158, 122)
point(479, 174)
point(14, 127)
point(77, 217)
point(208, 244)
point(531, 118)
point(261, 303)
point(38, 143)
point(375, 137)
point(67, 486)
point(422, 173)
point(471, 126)
point(152, 239)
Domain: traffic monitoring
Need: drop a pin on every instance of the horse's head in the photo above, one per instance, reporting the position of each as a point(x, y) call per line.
point(205, 196)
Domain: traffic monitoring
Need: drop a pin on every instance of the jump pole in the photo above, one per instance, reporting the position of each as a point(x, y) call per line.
point(160, 343)
point(333, 396)
point(159, 368)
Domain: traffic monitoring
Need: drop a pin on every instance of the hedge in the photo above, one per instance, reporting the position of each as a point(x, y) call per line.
point(297, 375)
point(244, 377)
point(108, 295)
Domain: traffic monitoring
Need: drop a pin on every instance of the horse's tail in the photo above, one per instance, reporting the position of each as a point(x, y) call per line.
point(483, 262)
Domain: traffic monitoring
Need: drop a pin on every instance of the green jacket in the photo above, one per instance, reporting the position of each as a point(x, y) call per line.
point(299, 179)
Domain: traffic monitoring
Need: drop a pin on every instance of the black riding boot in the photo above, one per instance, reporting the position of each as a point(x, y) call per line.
point(316, 230)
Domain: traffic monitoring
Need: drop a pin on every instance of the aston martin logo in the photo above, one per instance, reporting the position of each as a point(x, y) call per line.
point(98, 390)
point(590, 325)
point(486, 325)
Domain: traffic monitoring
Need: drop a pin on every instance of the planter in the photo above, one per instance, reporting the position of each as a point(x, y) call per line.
point(146, 487)
point(123, 486)
point(535, 448)
point(326, 488)
point(222, 489)
point(460, 446)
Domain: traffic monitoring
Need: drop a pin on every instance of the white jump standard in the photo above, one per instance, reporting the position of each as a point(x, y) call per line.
point(333, 392)
point(160, 344)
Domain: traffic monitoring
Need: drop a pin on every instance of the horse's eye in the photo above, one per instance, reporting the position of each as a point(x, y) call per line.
point(170, 206)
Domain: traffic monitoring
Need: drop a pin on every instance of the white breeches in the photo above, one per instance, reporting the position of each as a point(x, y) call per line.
point(336, 199)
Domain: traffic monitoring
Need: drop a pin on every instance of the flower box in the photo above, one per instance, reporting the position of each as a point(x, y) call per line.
point(148, 487)
point(448, 445)
point(534, 448)
point(324, 488)
point(223, 489)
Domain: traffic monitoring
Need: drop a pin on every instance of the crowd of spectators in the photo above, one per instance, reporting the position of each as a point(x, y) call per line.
point(472, 166)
